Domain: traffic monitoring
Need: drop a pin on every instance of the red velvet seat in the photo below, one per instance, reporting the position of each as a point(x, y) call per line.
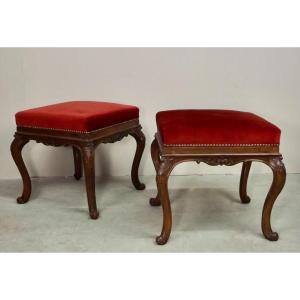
point(215, 127)
point(79, 116)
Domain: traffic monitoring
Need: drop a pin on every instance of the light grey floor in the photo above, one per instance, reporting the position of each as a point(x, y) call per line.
point(207, 216)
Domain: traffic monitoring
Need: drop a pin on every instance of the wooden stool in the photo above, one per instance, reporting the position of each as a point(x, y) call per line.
point(82, 125)
point(215, 137)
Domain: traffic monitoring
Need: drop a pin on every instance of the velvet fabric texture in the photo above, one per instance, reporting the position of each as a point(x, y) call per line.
point(214, 127)
point(82, 116)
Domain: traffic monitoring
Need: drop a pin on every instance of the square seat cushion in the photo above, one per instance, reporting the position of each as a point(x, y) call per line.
point(77, 116)
point(215, 128)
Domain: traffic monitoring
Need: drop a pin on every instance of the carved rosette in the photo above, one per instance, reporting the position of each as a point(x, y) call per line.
point(277, 165)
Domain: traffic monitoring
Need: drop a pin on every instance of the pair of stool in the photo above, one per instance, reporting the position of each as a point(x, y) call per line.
point(215, 137)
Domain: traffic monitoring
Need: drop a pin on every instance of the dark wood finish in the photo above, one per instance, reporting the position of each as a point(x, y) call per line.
point(16, 151)
point(140, 146)
point(88, 157)
point(243, 182)
point(156, 161)
point(165, 160)
point(162, 176)
point(77, 163)
point(279, 177)
point(84, 146)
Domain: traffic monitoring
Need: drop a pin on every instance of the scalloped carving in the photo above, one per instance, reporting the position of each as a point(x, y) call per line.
point(114, 138)
point(222, 161)
point(53, 143)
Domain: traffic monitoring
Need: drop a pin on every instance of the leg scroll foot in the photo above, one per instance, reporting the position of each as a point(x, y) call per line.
point(155, 201)
point(161, 240)
point(272, 236)
point(22, 200)
point(94, 214)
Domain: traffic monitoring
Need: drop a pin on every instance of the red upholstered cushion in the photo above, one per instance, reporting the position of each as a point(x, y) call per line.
point(83, 116)
point(226, 127)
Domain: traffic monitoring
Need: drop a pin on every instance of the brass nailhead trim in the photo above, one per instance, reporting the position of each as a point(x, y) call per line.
point(75, 131)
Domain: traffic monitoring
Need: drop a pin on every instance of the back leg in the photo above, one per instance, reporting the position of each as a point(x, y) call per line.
point(243, 182)
point(155, 158)
point(77, 163)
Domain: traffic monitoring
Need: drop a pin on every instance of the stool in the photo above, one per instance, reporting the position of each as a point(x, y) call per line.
point(82, 125)
point(215, 137)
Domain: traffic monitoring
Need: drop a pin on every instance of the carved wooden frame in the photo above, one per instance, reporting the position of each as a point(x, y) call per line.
point(84, 145)
point(166, 157)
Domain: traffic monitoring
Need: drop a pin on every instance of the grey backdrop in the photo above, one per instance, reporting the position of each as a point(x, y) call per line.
point(263, 81)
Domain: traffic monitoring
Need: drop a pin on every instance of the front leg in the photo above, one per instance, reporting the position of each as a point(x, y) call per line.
point(88, 156)
point(16, 151)
point(162, 177)
point(140, 146)
point(279, 177)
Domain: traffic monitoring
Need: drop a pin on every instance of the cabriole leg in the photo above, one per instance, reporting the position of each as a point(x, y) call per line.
point(279, 177)
point(16, 151)
point(88, 157)
point(162, 177)
point(140, 146)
